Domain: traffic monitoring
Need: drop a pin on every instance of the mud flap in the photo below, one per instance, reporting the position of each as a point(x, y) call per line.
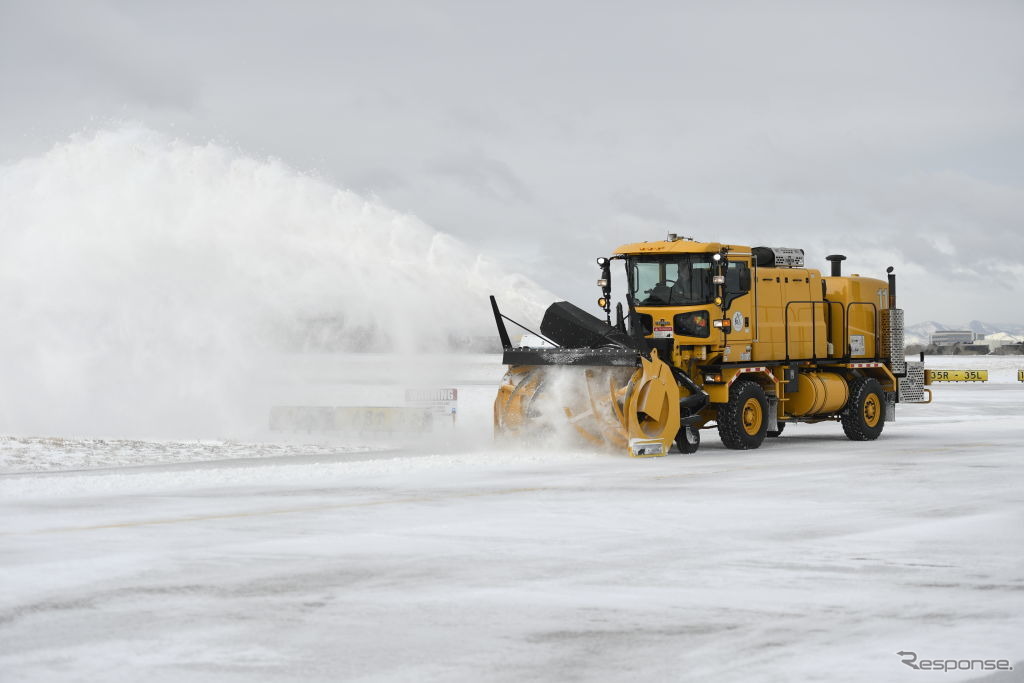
point(772, 417)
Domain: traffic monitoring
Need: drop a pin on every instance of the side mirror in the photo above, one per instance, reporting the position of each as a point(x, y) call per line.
point(744, 279)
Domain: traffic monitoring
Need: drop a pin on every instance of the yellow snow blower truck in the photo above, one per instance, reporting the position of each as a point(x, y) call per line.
point(745, 339)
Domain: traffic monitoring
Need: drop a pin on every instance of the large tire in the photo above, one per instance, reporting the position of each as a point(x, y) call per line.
point(776, 432)
point(741, 421)
point(688, 439)
point(864, 415)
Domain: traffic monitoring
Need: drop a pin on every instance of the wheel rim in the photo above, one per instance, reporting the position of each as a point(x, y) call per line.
point(752, 416)
point(872, 410)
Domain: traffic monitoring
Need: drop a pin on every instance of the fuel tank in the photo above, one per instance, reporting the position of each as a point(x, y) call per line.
point(818, 393)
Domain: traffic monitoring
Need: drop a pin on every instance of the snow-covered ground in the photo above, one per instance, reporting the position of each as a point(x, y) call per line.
point(812, 558)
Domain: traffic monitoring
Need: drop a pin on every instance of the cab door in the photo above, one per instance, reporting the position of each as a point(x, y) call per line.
point(740, 312)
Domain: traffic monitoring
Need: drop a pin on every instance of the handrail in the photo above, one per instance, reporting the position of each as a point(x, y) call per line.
point(846, 331)
point(844, 323)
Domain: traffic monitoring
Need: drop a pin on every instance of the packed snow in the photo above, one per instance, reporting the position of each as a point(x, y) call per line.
point(811, 558)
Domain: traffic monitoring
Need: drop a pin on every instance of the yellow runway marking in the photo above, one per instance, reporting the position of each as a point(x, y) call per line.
point(281, 511)
point(332, 506)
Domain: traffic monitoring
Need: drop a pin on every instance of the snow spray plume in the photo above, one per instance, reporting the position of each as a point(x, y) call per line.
point(146, 283)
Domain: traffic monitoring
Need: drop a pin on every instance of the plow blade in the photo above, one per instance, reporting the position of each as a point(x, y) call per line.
point(636, 408)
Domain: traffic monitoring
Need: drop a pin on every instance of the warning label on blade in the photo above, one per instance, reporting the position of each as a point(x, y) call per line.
point(439, 402)
point(431, 395)
point(352, 419)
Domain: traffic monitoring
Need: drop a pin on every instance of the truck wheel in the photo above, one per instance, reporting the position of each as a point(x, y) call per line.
point(688, 439)
point(776, 432)
point(864, 415)
point(741, 421)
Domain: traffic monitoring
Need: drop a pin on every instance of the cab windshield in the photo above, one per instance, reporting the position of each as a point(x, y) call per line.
point(677, 280)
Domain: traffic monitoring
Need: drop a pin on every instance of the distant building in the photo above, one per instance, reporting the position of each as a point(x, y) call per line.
point(1001, 339)
point(948, 337)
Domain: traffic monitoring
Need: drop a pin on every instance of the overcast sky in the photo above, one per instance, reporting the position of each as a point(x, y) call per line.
point(547, 133)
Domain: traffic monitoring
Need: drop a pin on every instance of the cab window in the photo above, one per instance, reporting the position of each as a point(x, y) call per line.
point(675, 280)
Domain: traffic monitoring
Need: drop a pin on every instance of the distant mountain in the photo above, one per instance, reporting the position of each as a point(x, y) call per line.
point(993, 328)
point(982, 328)
point(920, 333)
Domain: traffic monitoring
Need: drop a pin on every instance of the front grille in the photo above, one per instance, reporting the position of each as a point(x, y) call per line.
point(911, 387)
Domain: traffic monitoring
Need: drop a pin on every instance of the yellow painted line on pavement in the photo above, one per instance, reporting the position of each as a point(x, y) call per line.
point(333, 506)
point(280, 511)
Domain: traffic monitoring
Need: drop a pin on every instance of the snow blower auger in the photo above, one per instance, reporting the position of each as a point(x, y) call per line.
point(714, 335)
point(608, 387)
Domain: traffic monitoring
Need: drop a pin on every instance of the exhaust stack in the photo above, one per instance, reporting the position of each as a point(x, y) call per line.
point(837, 264)
point(892, 286)
point(892, 331)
